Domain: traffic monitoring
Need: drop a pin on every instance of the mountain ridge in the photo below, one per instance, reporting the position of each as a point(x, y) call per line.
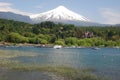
point(14, 16)
point(60, 15)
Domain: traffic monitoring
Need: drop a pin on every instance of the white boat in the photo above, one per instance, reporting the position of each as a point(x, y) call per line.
point(57, 46)
point(117, 47)
point(95, 48)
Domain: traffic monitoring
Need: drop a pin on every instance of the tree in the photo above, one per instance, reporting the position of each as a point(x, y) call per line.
point(43, 41)
point(84, 42)
point(16, 38)
point(60, 42)
point(71, 41)
point(110, 43)
point(29, 34)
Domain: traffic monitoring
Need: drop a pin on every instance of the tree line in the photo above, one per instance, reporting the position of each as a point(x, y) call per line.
point(58, 33)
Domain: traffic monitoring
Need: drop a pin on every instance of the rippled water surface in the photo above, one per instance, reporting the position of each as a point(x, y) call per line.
point(105, 61)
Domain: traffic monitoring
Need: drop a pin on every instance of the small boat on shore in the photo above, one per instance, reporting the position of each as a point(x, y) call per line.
point(57, 46)
point(117, 47)
point(95, 48)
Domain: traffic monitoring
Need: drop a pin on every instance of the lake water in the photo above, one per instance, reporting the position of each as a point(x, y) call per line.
point(105, 61)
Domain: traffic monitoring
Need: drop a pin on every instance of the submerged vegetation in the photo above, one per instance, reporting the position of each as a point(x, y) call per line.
point(68, 73)
point(57, 33)
point(12, 54)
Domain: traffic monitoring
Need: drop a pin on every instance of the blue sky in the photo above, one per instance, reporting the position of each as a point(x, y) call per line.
point(102, 11)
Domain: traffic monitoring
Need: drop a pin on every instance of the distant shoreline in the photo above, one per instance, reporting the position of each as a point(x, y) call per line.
point(24, 44)
point(5, 44)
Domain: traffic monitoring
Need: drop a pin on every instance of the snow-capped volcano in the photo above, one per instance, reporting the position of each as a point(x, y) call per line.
point(59, 14)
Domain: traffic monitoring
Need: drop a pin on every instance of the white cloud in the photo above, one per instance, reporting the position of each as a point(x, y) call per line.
point(5, 4)
point(111, 16)
point(7, 7)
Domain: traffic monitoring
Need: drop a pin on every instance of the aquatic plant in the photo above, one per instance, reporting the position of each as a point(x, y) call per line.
point(67, 72)
point(15, 53)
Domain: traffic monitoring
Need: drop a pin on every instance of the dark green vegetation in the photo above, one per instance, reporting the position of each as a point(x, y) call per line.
point(62, 34)
point(68, 73)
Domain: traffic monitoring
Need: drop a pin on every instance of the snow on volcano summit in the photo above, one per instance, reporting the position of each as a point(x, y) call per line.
point(58, 14)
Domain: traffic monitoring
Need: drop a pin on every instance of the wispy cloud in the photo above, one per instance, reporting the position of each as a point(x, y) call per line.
point(7, 7)
point(5, 4)
point(111, 16)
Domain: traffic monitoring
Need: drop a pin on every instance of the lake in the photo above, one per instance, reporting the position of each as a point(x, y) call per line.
point(104, 61)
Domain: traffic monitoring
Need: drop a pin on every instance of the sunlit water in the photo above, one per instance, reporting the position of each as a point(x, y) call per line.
point(105, 61)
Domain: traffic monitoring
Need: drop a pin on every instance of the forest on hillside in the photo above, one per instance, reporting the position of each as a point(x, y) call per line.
point(58, 33)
